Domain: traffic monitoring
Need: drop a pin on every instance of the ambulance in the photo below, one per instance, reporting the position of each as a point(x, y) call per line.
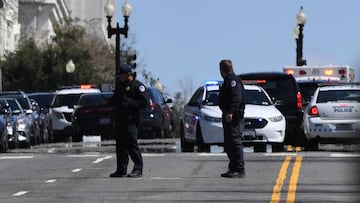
point(328, 73)
point(309, 78)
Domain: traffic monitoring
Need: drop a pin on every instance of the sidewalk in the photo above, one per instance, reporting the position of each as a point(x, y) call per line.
point(108, 146)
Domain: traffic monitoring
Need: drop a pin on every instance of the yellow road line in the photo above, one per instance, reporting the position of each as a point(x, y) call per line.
point(293, 180)
point(276, 194)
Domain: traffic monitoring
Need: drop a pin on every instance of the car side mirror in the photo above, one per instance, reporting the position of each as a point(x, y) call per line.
point(169, 101)
point(4, 111)
point(29, 111)
point(278, 102)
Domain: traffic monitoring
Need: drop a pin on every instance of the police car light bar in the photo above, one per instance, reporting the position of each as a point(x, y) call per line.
point(212, 82)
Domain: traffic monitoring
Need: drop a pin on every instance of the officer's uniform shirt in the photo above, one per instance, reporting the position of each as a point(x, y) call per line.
point(129, 98)
point(231, 95)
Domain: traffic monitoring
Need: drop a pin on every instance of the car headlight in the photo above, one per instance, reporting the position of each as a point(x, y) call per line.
point(9, 129)
point(21, 125)
point(212, 119)
point(58, 115)
point(276, 118)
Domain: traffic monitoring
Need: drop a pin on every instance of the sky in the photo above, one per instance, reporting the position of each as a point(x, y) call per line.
point(181, 42)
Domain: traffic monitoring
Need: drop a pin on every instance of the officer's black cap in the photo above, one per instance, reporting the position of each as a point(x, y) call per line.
point(124, 70)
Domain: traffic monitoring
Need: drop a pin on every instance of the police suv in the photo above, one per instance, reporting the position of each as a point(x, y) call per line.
point(201, 125)
point(62, 107)
point(333, 115)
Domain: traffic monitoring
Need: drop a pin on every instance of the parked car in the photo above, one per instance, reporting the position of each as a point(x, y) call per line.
point(61, 109)
point(201, 125)
point(333, 116)
point(23, 123)
point(284, 89)
point(4, 140)
point(155, 119)
point(41, 105)
point(7, 117)
point(94, 115)
point(33, 116)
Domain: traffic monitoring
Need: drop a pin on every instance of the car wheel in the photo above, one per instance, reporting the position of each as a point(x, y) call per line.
point(260, 147)
point(312, 145)
point(76, 137)
point(160, 133)
point(4, 146)
point(69, 139)
point(45, 136)
point(185, 146)
point(277, 147)
point(202, 147)
point(51, 136)
point(167, 133)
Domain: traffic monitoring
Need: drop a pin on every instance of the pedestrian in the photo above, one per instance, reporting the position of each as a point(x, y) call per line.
point(231, 103)
point(130, 96)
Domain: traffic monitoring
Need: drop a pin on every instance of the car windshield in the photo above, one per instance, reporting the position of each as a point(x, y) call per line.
point(95, 99)
point(66, 100)
point(212, 98)
point(338, 95)
point(24, 102)
point(44, 100)
point(279, 88)
point(156, 96)
point(256, 97)
point(14, 106)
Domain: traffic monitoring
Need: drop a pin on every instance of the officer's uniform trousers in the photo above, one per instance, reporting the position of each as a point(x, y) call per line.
point(126, 144)
point(232, 143)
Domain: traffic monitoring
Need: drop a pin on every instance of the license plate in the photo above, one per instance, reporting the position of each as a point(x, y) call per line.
point(249, 134)
point(343, 127)
point(104, 121)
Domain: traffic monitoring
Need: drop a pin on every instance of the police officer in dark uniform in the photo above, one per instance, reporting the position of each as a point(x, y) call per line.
point(130, 96)
point(231, 103)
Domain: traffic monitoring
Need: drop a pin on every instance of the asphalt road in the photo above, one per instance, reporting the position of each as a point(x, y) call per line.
point(47, 173)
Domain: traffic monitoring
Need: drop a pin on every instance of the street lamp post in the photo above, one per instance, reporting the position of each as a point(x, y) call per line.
point(298, 35)
point(70, 69)
point(117, 31)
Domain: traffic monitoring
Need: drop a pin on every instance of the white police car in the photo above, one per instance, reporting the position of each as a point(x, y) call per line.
point(333, 115)
point(200, 122)
point(61, 109)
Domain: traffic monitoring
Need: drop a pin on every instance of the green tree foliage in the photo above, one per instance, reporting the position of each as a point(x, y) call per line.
point(22, 66)
point(42, 68)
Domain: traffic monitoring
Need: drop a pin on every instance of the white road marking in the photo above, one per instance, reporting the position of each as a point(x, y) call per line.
point(20, 193)
point(16, 157)
point(82, 155)
point(51, 150)
point(76, 170)
point(50, 181)
point(281, 154)
point(345, 155)
point(210, 154)
point(98, 160)
point(145, 154)
point(162, 178)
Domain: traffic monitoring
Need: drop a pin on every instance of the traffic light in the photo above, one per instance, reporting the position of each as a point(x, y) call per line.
point(130, 60)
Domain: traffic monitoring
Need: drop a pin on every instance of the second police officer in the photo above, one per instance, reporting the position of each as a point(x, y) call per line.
point(130, 97)
point(231, 103)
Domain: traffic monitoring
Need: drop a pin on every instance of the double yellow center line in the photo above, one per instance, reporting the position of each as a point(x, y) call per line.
point(276, 194)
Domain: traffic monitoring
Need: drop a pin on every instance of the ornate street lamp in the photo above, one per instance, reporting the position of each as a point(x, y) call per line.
point(117, 31)
point(70, 69)
point(298, 35)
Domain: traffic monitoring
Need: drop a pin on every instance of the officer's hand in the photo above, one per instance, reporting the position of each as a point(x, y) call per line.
point(228, 117)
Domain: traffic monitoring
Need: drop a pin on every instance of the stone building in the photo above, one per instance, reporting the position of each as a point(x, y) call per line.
point(9, 25)
point(36, 19)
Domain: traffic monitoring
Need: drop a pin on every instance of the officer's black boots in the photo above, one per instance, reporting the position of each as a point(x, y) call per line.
point(135, 174)
point(117, 174)
point(233, 174)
